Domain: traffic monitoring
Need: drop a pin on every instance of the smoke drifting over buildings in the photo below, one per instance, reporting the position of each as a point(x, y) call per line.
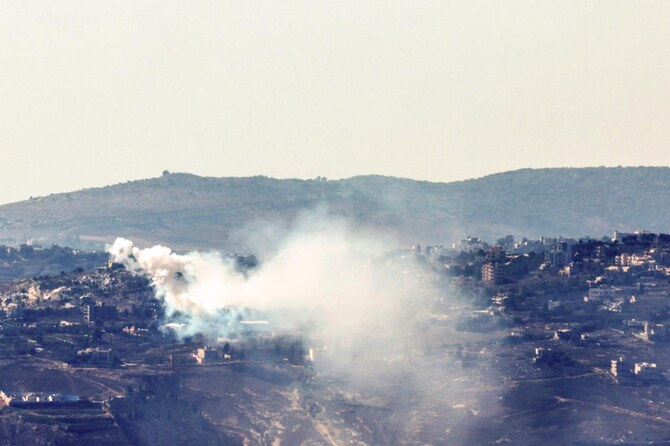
point(320, 279)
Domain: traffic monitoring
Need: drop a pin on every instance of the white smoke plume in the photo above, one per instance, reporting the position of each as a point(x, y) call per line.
point(321, 278)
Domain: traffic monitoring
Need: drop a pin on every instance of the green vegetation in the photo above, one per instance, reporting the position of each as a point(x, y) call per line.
point(187, 211)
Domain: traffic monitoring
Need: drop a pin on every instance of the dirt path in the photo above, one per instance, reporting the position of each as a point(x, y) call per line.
point(613, 409)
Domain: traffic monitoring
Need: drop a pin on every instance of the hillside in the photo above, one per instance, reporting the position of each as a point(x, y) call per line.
point(187, 211)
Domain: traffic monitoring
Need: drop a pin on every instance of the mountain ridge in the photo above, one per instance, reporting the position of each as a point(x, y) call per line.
point(190, 211)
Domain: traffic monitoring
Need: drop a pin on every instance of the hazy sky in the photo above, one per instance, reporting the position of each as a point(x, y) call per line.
point(94, 93)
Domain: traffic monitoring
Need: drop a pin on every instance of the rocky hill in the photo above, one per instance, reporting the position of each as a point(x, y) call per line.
point(188, 211)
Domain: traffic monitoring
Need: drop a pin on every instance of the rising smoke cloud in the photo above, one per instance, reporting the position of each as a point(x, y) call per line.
point(333, 284)
point(322, 278)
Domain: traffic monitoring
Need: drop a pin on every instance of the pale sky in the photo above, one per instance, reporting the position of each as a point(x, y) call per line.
point(100, 92)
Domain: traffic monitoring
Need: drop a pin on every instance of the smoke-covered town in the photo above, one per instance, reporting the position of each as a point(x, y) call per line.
point(344, 223)
point(554, 340)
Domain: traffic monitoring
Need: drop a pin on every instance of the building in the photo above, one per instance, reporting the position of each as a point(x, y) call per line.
point(639, 373)
point(493, 273)
point(653, 332)
point(96, 355)
point(495, 254)
point(619, 368)
point(27, 398)
point(602, 294)
point(570, 270)
point(647, 372)
point(645, 261)
point(208, 355)
point(470, 244)
point(558, 255)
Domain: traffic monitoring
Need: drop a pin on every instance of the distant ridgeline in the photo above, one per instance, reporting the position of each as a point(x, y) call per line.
point(29, 261)
point(189, 212)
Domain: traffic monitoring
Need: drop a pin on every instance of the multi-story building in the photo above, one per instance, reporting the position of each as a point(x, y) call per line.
point(493, 273)
point(558, 254)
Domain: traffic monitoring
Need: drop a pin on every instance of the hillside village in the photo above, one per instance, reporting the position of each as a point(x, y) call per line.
point(594, 312)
